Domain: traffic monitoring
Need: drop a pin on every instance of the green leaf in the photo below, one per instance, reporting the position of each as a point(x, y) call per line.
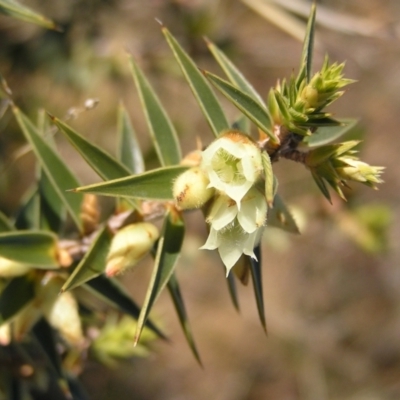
point(44, 334)
point(36, 248)
point(308, 46)
point(283, 105)
point(16, 10)
point(43, 124)
point(327, 134)
point(4, 104)
point(322, 186)
point(230, 280)
point(154, 184)
point(55, 168)
point(17, 294)
point(168, 251)
point(5, 224)
point(46, 350)
point(202, 92)
point(321, 119)
point(233, 74)
point(250, 107)
point(242, 124)
point(93, 263)
point(256, 275)
point(28, 215)
point(5, 90)
point(162, 132)
point(280, 217)
point(106, 166)
point(177, 299)
point(111, 292)
point(128, 149)
point(52, 210)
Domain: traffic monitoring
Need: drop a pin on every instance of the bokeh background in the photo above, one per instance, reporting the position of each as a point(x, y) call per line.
point(332, 294)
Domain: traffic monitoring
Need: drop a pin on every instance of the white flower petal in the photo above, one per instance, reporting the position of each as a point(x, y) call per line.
point(229, 255)
point(233, 164)
point(212, 242)
point(232, 242)
point(238, 192)
point(253, 211)
point(222, 212)
point(252, 240)
point(248, 168)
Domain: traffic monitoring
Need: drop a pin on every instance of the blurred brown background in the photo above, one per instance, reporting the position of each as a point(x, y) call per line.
point(332, 298)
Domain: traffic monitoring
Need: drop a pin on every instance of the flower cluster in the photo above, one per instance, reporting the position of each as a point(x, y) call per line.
point(230, 168)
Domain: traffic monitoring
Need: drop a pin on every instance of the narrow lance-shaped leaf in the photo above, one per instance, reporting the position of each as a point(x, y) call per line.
point(43, 341)
point(269, 179)
point(250, 107)
point(322, 186)
point(106, 166)
point(241, 269)
point(256, 275)
point(4, 104)
point(55, 168)
point(4, 87)
point(327, 134)
point(45, 336)
point(242, 123)
point(43, 123)
point(308, 46)
point(29, 247)
point(17, 294)
point(233, 74)
point(28, 215)
point(112, 292)
point(155, 184)
point(230, 280)
point(17, 10)
point(5, 224)
point(280, 217)
point(177, 299)
point(128, 149)
point(93, 263)
point(52, 210)
point(206, 99)
point(168, 251)
point(274, 12)
point(162, 132)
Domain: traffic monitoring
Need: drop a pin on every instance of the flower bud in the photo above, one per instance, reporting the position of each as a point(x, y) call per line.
point(233, 164)
point(356, 170)
point(310, 96)
point(10, 268)
point(64, 316)
point(46, 294)
point(191, 190)
point(90, 213)
point(129, 245)
point(5, 334)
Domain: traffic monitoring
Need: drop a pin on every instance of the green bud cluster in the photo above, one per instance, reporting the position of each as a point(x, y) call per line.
point(337, 163)
point(298, 104)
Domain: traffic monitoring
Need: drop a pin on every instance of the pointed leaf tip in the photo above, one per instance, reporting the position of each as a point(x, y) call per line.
point(159, 22)
point(207, 40)
point(51, 116)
